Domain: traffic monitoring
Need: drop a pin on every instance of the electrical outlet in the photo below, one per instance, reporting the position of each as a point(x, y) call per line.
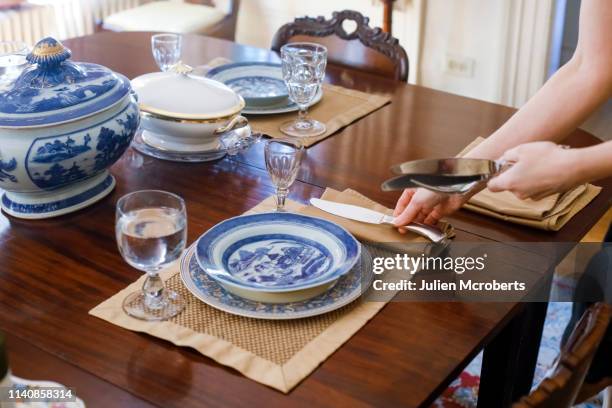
point(459, 66)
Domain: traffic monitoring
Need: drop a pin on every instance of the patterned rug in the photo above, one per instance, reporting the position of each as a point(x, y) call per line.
point(463, 392)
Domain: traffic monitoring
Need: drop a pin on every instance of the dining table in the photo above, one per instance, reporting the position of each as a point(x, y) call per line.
point(53, 271)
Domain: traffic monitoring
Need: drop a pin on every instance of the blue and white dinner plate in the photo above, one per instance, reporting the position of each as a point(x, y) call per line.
point(276, 252)
point(348, 288)
point(261, 85)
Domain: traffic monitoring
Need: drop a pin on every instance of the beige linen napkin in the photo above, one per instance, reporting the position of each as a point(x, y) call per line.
point(276, 353)
point(338, 108)
point(550, 213)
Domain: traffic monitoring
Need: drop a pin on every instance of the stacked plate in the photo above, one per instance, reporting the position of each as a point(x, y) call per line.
point(261, 85)
point(276, 266)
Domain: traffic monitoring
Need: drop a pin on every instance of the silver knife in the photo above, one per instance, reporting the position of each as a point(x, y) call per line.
point(366, 215)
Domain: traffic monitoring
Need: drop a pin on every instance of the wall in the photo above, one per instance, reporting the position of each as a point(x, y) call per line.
point(464, 29)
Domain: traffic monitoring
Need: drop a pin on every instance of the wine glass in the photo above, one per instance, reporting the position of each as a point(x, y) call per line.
point(12, 58)
point(151, 231)
point(283, 157)
point(166, 50)
point(303, 66)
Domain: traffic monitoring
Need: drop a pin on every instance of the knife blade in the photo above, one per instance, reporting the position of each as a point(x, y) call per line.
point(366, 215)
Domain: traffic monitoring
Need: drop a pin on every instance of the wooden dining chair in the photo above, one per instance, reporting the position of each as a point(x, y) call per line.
point(560, 389)
point(363, 48)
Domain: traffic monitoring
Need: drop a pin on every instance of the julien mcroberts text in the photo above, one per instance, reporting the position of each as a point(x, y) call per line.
point(459, 265)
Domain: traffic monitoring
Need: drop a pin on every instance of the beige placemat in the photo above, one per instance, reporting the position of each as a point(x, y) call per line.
point(338, 108)
point(550, 213)
point(276, 353)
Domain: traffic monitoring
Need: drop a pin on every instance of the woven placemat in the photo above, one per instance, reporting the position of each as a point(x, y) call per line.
point(277, 353)
point(338, 108)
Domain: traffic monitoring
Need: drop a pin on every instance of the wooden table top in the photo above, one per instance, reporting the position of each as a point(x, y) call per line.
point(53, 271)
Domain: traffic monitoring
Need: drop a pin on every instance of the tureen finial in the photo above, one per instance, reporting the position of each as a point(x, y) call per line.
point(48, 52)
point(182, 68)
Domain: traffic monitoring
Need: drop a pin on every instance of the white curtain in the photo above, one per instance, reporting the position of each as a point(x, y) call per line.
point(27, 24)
point(75, 18)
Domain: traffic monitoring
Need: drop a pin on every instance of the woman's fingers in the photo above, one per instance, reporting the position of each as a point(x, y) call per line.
point(433, 217)
point(403, 201)
point(502, 182)
point(411, 211)
point(512, 155)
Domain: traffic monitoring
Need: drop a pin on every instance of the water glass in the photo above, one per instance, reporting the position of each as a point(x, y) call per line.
point(12, 58)
point(283, 158)
point(303, 66)
point(166, 50)
point(151, 232)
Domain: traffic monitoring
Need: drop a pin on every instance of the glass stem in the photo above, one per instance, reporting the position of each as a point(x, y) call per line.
point(153, 290)
point(281, 196)
point(303, 113)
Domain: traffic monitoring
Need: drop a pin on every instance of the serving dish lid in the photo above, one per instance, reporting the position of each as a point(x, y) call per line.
point(180, 95)
point(53, 89)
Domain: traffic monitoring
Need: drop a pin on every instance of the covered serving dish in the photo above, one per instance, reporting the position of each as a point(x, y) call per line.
point(182, 112)
point(62, 125)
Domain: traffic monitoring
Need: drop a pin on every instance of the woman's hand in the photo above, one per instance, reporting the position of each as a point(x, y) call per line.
point(425, 206)
point(539, 170)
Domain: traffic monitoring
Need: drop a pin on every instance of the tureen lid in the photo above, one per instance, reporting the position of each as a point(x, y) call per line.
point(180, 95)
point(53, 90)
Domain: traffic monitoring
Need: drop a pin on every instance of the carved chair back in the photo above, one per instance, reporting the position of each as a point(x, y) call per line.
point(364, 48)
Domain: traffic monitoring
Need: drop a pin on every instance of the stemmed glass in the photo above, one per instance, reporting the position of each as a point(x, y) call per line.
point(151, 231)
point(166, 50)
point(12, 58)
point(303, 71)
point(283, 158)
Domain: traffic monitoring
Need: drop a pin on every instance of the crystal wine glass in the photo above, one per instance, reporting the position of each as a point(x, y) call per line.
point(303, 71)
point(12, 58)
point(151, 231)
point(166, 50)
point(283, 157)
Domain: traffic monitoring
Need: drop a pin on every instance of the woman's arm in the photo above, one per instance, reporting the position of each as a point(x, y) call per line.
point(570, 96)
point(561, 105)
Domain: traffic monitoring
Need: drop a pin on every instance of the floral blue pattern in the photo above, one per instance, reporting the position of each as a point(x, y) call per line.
point(219, 248)
point(56, 161)
point(53, 89)
point(276, 259)
point(258, 86)
point(348, 288)
point(5, 168)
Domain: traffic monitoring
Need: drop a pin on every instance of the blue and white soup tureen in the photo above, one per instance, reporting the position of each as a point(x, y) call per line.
point(62, 125)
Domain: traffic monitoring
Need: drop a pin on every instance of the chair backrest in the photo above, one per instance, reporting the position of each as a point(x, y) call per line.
point(559, 390)
point(364, 48)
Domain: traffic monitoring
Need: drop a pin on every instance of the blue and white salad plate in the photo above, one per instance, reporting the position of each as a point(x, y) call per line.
point(277, 253)
point(347, 289)
point(261, 85)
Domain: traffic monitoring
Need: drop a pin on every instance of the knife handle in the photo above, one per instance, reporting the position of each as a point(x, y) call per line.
point(428, 231)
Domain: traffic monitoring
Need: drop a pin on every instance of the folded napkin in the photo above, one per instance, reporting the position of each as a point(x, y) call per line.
point(550, 213)
point(363, 231)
